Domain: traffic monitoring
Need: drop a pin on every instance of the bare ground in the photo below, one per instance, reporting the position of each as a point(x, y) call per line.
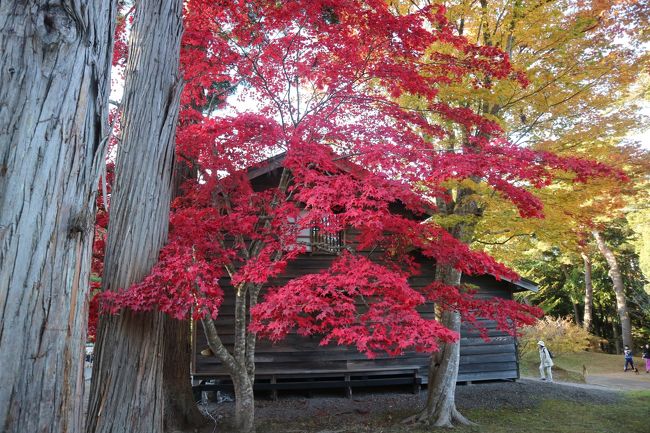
point(331, 412)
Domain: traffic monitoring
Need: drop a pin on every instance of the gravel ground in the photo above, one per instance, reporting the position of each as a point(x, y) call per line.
point(331, 409)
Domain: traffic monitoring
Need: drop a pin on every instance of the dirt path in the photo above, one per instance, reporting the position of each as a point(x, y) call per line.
point(627, 381)
point(620, 381)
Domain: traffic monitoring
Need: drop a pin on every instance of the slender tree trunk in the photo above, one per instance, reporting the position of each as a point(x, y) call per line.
point(126, 389)
point(440, 409)
point(589, 294)
point(574, 301)
point(55, 60)
point(576, 313)
point(244, 402)
point(619, 288)
point(601, 324)
point(240, 375)
point(240, 364)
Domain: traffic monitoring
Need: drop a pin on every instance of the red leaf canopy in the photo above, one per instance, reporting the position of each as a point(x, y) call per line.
point(348, 91)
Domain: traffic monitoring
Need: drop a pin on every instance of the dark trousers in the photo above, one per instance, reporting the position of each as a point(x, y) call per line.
point(629, 361)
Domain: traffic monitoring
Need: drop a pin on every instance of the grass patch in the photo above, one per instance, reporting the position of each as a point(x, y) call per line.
point(558, 414)
point(630, 415)
point(552, 416)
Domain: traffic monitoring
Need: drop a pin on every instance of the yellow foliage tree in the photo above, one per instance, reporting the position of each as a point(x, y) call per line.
point(559, 334)
point(581, 58)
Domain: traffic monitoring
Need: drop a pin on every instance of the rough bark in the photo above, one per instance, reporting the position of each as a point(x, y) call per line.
point(244, 402)
point(440, 409)
point(126, 389)
point(619, 288)
point(180, 411)
point(589, 294)
point(55, 60)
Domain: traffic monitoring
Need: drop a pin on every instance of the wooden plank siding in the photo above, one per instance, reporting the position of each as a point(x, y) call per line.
point(494, 359)
point(300, 357)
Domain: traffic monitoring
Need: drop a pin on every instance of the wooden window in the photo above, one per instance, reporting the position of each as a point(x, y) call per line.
point(325, 242)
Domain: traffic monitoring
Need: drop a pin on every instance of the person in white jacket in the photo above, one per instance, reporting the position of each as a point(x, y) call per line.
point(545, 362)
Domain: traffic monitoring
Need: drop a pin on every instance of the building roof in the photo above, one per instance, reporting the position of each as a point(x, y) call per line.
point(524, 284)
point(276, 162)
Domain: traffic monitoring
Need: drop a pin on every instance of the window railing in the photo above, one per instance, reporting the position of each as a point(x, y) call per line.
point(325, 242)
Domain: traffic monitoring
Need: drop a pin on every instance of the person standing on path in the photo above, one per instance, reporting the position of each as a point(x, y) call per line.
point(646, 356)
point(627, 353)
point(545, 362)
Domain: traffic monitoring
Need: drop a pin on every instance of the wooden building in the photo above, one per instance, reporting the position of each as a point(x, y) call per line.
point(301, 362)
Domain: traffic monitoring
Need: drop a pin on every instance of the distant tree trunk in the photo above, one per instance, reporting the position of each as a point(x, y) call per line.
point(576, 313)
point(440, 409)
point(589, 294)
point(55, 60)
point(601, 324)
point(126, 389)
point(619, 288)
point(574, 302)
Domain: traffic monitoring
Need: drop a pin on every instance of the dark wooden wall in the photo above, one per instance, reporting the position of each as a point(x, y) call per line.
point(304, 357)
point(494, 359)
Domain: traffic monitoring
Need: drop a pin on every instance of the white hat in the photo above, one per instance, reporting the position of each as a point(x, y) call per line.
point(540, 343)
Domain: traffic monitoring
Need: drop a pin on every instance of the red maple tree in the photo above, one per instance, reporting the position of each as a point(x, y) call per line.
point(329, 81)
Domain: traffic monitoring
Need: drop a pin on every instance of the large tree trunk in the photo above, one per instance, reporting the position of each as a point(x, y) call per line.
point(181, 411)
point(440, 409)
point(589, 294)
point(55, 60)
point(126, 390)
point(616, 336)
point(619, 288)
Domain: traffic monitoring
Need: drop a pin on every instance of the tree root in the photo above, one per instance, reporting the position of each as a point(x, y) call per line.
point(459, 418)
point(447, 420)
